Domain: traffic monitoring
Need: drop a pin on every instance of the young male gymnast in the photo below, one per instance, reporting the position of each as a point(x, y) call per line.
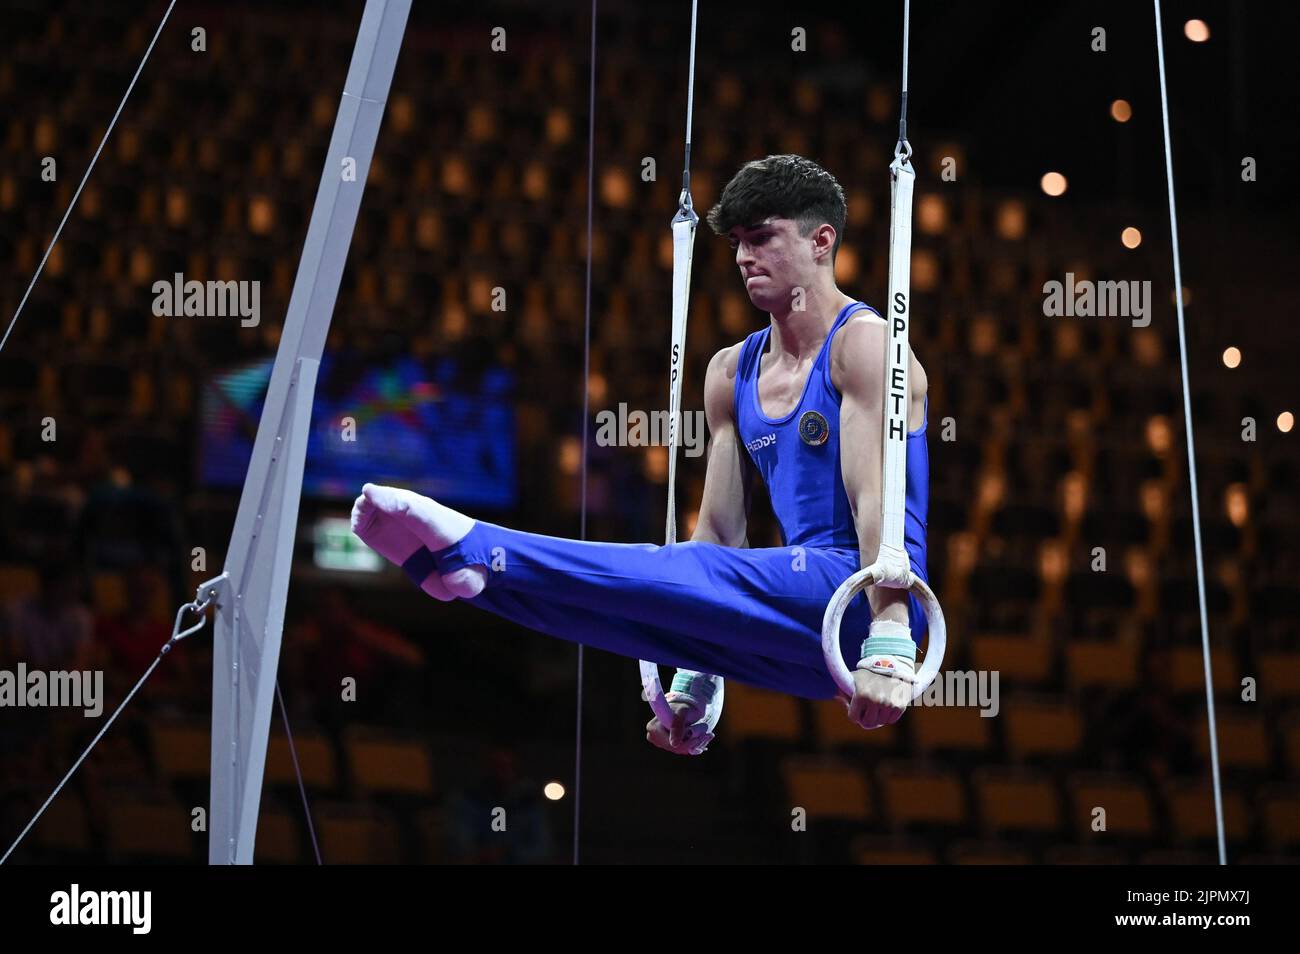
point(800, 402)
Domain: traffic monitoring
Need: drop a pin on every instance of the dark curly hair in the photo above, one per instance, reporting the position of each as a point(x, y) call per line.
point(789, 187)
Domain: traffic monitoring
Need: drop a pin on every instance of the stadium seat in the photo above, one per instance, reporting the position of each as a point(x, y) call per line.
point(760, 714)
point(1041, 727)
point(1190, 805)
point(950, 728)
point(915, 795)
point(1186, 666)
point(315, 757)
point(151, 830)
point(1243, 739)
point(1019, 660)
point(278, 838)
point(108, 593)
point(1104, 665)
point(18, 582)
point(1016, 800)
point(1279, 676)
point(384, 764)
point(181, 749)
point(826, 788)
point(1280, 806)
point(356, 836)
point(1127, 805)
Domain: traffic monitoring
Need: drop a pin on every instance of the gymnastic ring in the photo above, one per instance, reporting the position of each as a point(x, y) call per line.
point(653, 692)
point(839, 603)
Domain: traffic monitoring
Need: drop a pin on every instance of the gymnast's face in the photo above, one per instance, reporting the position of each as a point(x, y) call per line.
point(774, 259)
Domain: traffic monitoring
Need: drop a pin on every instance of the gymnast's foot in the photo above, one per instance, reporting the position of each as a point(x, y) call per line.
point(395, 523)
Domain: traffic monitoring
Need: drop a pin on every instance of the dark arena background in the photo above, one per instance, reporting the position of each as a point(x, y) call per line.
point(1060, 530)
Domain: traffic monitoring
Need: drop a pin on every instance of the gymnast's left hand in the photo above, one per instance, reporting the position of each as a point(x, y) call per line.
point(678, 737)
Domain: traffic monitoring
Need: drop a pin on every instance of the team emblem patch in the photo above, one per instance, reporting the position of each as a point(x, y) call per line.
point(813, 428)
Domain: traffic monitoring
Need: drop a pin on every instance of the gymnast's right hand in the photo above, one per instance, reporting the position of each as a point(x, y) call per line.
point(678, 737)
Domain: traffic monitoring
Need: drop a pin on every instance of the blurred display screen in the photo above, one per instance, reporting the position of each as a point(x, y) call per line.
point(411, 423)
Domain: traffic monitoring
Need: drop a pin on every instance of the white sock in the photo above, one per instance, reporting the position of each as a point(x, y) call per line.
point(377, 521)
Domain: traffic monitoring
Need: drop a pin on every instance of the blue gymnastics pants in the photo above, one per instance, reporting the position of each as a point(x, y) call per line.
point(752, 615)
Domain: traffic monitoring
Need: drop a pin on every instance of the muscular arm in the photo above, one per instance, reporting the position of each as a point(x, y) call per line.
point(724, 506)
point(723, 517)
point(859, 373)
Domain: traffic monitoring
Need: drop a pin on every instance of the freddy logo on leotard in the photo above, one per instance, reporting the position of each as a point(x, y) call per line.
point(758, 443)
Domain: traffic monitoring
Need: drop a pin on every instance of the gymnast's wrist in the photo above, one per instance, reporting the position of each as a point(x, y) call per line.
point(889, 638)
point(697, 687)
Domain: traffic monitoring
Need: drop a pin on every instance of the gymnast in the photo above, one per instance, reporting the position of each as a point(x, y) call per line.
point(800, 402)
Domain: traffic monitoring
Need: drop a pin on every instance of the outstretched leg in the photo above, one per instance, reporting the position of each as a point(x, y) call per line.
point(751, 615)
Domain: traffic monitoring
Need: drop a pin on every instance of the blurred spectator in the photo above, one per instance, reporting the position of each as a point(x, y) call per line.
point(499, 817)
point(133, 635)
point(52, 629)
point(341, 644)
point(1145, 728)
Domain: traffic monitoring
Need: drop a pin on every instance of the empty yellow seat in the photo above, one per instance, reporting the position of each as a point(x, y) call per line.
point(1105, 664)
point(1281, 815)
point(357, 837)
point(1036, 727)
point(1279, 676)
point(108, 593)
point(1124, 799)
point(1019, 660)
point(760, 714)
point(183, 750)
point(950, 727)
point(922, 795)
point(278, 838)
point(315, 756)
point(389, 765)
point(1186, 666)
point(1243, 740)
point(826, 788)
point(1191, 810)
point(18, 582)
point(1015, 800)
point(156, 830)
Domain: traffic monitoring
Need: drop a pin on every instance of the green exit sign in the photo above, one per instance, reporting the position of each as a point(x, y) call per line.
point(338, 548)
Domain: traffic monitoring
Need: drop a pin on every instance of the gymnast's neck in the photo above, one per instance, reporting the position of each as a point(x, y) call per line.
point(799, 334)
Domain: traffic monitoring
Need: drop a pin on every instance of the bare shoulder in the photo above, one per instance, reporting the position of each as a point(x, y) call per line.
point(858, 355)
point(720, 383)
point(857, 352)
